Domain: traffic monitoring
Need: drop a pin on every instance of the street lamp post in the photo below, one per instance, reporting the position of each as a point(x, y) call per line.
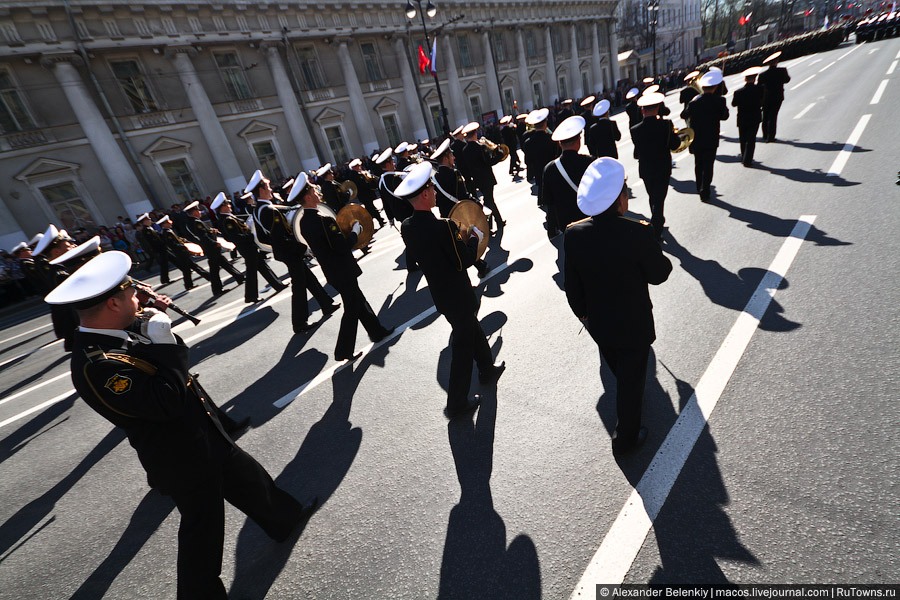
point(653, 20)
point(430, 10)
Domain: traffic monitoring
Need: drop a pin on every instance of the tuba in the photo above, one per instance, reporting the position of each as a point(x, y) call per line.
point(686, 135)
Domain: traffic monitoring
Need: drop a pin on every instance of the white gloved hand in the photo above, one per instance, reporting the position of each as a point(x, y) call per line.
point(357, 227)
point(158, 328)
point(479, 233)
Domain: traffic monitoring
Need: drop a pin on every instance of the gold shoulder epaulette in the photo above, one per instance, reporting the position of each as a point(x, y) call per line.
point(137, 363)
point(584, 220)
point(641, 221)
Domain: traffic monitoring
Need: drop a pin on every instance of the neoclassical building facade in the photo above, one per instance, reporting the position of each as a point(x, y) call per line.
point(109, 109)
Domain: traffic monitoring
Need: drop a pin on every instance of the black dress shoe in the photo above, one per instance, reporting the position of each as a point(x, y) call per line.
point(351, 357)
point(307, 509)
point(620, 448)
point(492, 374)
point(252, 300)
point(382, 335)
point(468, 408)
point(302, 328)
point(330, 309)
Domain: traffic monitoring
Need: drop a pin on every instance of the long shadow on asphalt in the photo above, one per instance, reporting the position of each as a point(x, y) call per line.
point(476, 562)
point(692, 530)
point(773, 225)
point(490, 324)
point(6, 349)
point(35, 377)
point(731, 290)
point(230, 337)
point(320, 465)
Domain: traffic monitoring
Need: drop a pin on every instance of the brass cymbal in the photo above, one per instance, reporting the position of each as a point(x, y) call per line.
point(349, 215)
point(468, 214)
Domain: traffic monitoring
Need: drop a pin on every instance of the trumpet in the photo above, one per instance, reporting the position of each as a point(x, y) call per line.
point(153, 297)
point(499, 152)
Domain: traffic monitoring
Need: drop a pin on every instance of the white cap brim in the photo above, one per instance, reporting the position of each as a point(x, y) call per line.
point(445, 145)
point(384, 156)
point(711, 79)
point(219, 200)
point(568, 129)
point(651, 99)
point(48, 238)
point(300, 183)
point(192, 206)
point(92, 245)
point(601, 108)
point(415, 180)
point(324, 169)
point(254, 181)
point(600, 185)
point(100, 275)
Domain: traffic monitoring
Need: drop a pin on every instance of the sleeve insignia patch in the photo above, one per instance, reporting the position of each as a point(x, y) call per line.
point(118, 384)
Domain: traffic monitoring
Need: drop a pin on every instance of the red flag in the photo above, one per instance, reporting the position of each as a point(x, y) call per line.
point(424, 62)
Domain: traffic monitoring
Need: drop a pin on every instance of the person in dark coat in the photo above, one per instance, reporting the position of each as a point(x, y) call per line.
point(539, 147)
point(631, 108)
point(609, 261)
point(272, 228)
point(748, 101)
point(154, 245)
point(206, 237)
point(562, 176)
point(334, 253)
point(134, 372)
point(511, 139)
point(181, 256)
point(601, 137)
point(444, 252)
point(706, 112)
point(366, 189)
point(654, 139)
point(772, 81)
point(332, 196)
point(480, 163)
point(236, 231)
point(688, 93)
point(457, 145)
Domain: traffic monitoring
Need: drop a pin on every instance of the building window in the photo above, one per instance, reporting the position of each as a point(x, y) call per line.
point(585, 86)
point(530, 44)
point(268, 160)
point(370, 58)
point(13, 114)
point(134, 86)
point(556, 41)
point(581, 35)
point(335, 138)
point(538, 94)
point(309, 67)
point(181, 180)
point(475, 103)
point(465, 57)
point(392, 128)
point(508, 100)
point(68, 206)
point(436, 119)
point(563, 91)
point(499, 47)
point(233, 75)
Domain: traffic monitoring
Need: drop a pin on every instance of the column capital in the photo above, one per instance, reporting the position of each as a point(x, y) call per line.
point(48, 61)
point(343, 40)
point(173, 51)
point(270, 45)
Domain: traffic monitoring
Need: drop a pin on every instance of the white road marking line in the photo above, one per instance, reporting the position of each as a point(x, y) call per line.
point(898, 56)
point(620, 547)
point(873, 50)
point(331, 371)
point(815, 61)
point(18, 335)
point(827, 66)
point(804, 111)
point(855, 48)
point(844, 154)
point(802, 82)
point(877, 97)
point(890, 70)
point(34, 409)
point(34, 387)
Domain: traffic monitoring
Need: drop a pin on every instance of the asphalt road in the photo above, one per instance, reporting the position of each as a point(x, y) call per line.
point(788, 475)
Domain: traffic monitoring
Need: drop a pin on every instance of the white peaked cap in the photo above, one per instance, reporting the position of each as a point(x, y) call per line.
point(587, 100)
point(300, 183)
point(651, 99)
point(601, 108)
point(92, 245)
point(470, 127)
point(99, 276)
point(219, 200)
point(711, 79)
point(355, 162)
point(48, 238)
point(192, 206)
point(537, 116)
point(323, 169)
point(401, 148)
point(37, 237)
point(568, 129)
point(752, 72)
point(384, 156)
point(600, 185)
point(142, 217)
point(19, 246)
point(412, 184)
point(631, 93)
point(440, 149)
point(651, 89)
point(163, 220)
point(771, 57)
point(254, 181)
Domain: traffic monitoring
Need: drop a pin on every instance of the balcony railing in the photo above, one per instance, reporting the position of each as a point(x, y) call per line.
point(23, 139)
point(153, 119)
point(242, 106)
point(320, 94)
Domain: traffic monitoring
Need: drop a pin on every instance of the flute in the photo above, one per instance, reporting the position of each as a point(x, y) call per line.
point(145, 288)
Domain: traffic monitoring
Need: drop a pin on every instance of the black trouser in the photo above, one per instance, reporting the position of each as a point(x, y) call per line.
point(370, 208)
point(356, 310)
point(657, 189)
point(255, 263)
point(302, 279)
point(629, 366)
point(216, 261)
point(487, 196)
point(770, 118)
point(468, 343)
point(704, 161)
point(747, 137)
point(246, 485)
point(163, 257)
point(539, 182)
point(514, 166)
point(185, 264)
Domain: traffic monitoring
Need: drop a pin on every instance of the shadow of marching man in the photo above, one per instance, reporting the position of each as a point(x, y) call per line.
point(476, 562)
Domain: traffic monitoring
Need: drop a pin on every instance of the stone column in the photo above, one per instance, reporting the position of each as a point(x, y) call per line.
point(574, 66)
point(613, 50)
point(11, 233)
point(207, 119)
point(110, 156)
point(300, 135)
point(552, 82)
point(526, 100)
point(361, 113)
point(596, 70)
point(490, 75)
point(415, 118)
point(458, 110)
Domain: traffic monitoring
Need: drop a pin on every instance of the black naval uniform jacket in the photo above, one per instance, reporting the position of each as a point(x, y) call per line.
point(179, 252)
point(333, 251)
point(557, 195)
point(634, 113)
point(654, 139)
point(330, 195)
point(706, 113)
point(510, 137)
point(438, 248)
point(610, 261)
point(748, 101)
point(539, 149)
point(772, 80)
point(204, 237)
point(152, 241)
point(276, 232)
point(449, 183)
point(238, 234)
point(479, 166)
point(601, 138)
